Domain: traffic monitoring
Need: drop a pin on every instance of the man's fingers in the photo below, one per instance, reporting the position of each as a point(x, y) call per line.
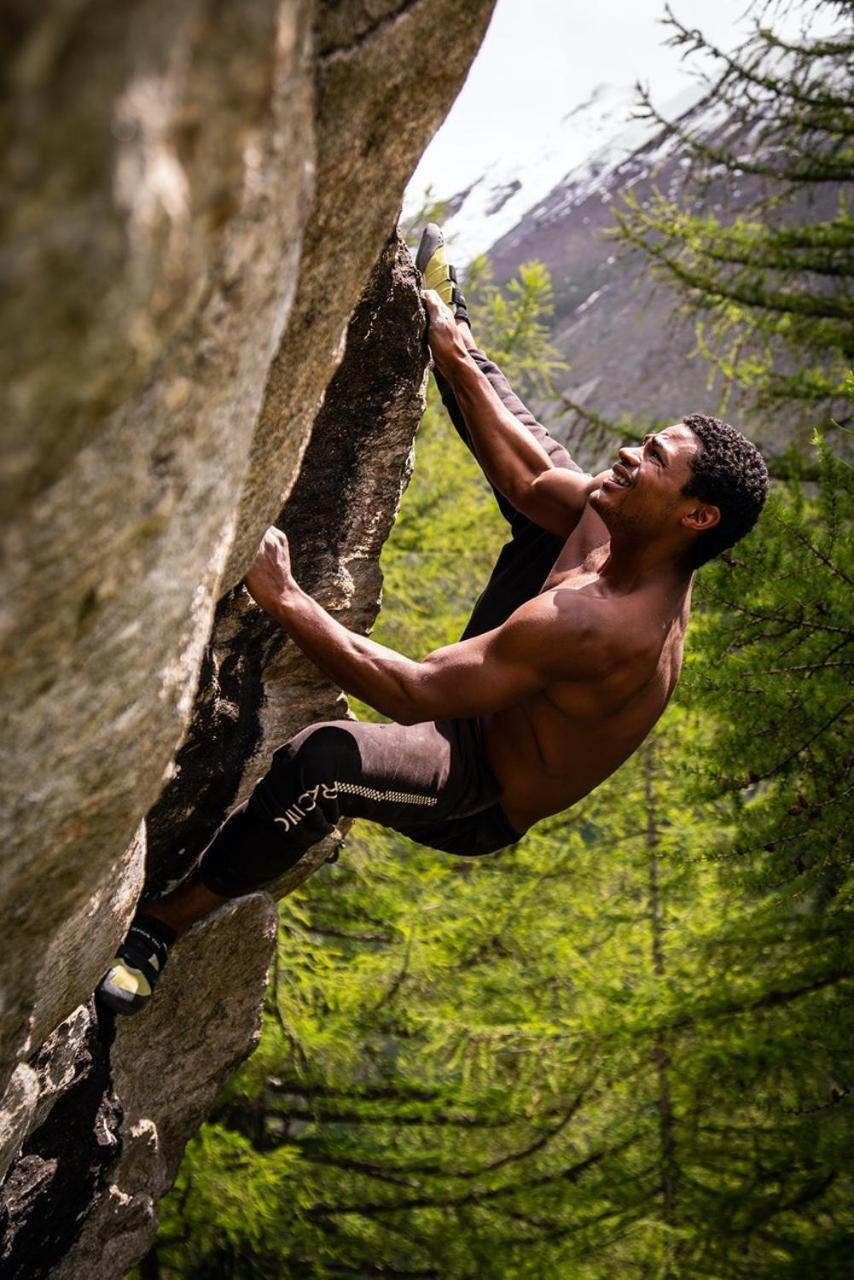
point(441, 325)
point(273, 544)
point(275, 535)
point(435, 305)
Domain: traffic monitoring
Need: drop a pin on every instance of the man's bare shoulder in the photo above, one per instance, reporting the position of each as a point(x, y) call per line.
point(578, 635)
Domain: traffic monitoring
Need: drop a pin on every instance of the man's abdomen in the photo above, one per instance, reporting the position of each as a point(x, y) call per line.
point(545, 762)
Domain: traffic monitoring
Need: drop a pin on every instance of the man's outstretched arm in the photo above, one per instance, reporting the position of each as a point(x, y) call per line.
point(487, 673)
point(511, 458)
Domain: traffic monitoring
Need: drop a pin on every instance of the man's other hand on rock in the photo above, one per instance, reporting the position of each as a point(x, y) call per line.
point(269, 580)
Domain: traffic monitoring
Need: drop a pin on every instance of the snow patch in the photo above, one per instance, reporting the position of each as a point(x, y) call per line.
point(576, 155)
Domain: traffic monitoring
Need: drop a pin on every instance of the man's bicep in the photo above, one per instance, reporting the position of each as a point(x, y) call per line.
point(473, 677)
point(555, 499)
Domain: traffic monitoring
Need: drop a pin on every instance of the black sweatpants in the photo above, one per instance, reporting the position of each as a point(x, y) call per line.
point(429, 781)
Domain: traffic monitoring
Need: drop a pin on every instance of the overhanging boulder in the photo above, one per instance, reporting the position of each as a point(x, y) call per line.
point(221, 182)
point(111, 1106)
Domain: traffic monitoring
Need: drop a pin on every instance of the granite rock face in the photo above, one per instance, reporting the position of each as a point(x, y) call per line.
point(161, 164)
point(387, 71)
point(195, 198)
point(105, 1120)
point(256, 689)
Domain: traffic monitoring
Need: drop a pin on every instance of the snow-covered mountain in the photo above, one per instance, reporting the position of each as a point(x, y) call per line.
point(629, 351)
point(585, 142)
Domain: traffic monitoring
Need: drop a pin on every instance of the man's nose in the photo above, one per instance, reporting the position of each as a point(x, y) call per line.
point(631, 457)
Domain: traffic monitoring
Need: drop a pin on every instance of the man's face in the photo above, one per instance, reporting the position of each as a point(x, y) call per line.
point(643, 492)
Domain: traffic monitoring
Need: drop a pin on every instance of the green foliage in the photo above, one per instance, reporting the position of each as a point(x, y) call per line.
point(769, 278)
point(775, 646)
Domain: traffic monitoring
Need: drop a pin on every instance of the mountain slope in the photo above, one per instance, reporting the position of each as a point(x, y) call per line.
point(507, 184)
point(629, 349)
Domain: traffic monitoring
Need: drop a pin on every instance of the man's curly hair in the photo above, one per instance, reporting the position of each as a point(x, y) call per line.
point(730, 473)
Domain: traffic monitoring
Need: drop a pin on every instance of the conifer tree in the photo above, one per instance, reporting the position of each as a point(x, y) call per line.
point(769, 277)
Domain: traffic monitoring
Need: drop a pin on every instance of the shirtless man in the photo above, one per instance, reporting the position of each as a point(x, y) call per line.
point(569, 659)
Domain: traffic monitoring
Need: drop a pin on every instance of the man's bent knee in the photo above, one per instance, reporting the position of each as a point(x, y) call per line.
point(293, 806)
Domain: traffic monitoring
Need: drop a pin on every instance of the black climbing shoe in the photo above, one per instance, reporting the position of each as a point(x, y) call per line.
point(128, 984)
point(437, 272)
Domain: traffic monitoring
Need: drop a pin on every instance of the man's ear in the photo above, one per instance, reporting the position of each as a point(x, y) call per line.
point(702, 517)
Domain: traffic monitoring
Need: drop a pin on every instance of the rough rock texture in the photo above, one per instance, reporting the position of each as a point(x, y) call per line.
point(256, 690)
point(207, 1021)
point(161, 161)
point(162, 257)
point(387, 71)
point(206, 1013)
point(106, 1126)
point(195, 195)
point(80, 1199)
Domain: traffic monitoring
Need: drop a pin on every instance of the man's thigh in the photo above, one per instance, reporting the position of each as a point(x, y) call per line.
point(430, 781)
point(376, 771)
point(402, 776)
point(396, 775)
point(471, 836)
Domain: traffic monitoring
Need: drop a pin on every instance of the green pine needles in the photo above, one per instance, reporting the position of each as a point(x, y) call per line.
point(765, 266)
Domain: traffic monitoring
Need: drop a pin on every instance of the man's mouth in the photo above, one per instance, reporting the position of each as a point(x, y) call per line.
point(620, 476)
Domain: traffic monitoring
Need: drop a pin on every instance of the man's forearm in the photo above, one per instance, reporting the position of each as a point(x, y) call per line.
point(379, 676)
point(510, 456)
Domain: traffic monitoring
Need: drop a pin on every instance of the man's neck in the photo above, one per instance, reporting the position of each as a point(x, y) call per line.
point(627, 567)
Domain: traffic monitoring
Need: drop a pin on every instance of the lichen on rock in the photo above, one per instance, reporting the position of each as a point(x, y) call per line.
point(223, 182)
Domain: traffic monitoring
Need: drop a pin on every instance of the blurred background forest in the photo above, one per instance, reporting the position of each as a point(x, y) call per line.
point(625, 1048)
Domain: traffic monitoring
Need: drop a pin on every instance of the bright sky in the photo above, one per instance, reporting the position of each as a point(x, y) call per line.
point(540, 58)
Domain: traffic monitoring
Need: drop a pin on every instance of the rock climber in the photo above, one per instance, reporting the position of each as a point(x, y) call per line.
point(570, 656)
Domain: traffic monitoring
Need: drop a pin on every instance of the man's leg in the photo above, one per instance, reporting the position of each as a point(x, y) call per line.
point(399, 776)
point(508, 397)
point(190, 902)
point(525, 561)
point(339, 768)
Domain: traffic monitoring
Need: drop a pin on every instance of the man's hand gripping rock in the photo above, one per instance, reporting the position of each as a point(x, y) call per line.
point(270, 581)
point(444, 336)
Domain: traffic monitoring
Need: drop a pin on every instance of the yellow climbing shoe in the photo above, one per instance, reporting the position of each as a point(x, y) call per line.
point(437, 272)
point(128, 984)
